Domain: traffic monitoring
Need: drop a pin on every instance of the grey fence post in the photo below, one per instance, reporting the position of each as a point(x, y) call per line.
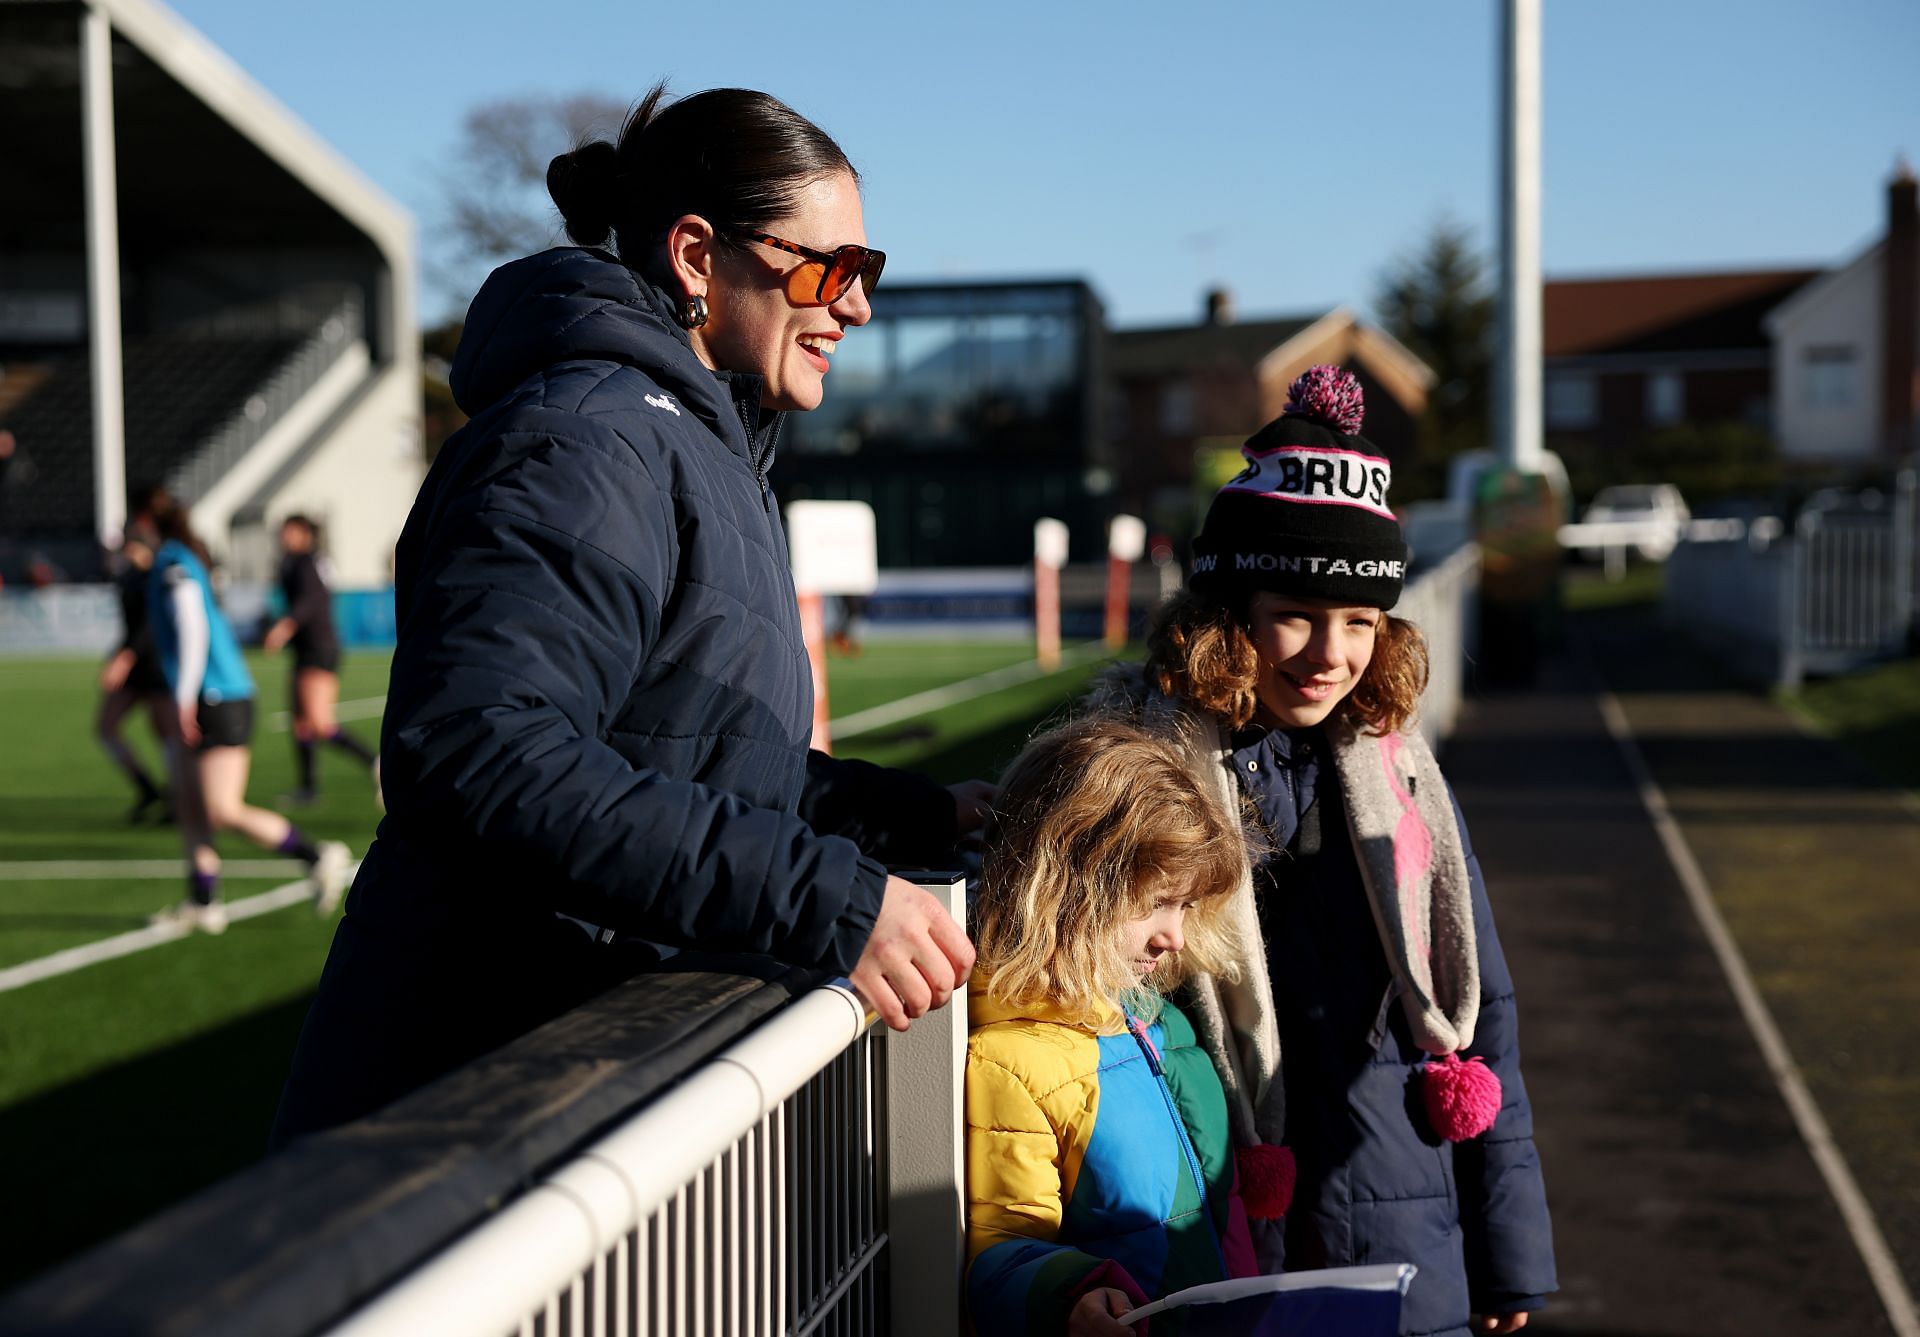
point(1906, 519)
point(926, 1101)
point(1793, 612)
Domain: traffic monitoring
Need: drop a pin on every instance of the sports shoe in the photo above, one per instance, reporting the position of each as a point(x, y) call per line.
point(210, 918)
point(329, 877)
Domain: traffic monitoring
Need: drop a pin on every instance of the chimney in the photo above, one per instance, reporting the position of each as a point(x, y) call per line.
point(1219, 307)
point(1900, 312)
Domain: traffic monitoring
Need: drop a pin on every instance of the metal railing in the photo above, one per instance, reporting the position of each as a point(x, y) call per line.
point(331, 333)
point(1443, 602)
point(750, 1199)
point(756, 1197)
point(1832, 594)
point(296, 312)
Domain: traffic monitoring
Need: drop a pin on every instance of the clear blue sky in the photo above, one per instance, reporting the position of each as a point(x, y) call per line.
point(1284, 150)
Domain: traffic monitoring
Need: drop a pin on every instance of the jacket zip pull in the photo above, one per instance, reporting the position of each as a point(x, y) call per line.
point(1146, 1045)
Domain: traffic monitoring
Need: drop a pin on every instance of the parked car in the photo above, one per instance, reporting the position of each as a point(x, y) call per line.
point(1656, 511)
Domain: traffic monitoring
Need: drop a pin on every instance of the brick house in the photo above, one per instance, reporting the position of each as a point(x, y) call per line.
point(1628, 356)
point(1185, 396)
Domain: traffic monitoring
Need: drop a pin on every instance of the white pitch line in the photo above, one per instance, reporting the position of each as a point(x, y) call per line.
point(1854, 1207)
point(863, 721)
point(362, 708)
point(921, 703)
point(139, 940)
point(62, 870)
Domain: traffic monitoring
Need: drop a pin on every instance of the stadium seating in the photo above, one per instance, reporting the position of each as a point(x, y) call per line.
point(179, 391)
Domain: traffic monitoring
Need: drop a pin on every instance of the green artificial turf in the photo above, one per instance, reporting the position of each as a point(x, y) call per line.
point(129, 1084)
point(1874, 713)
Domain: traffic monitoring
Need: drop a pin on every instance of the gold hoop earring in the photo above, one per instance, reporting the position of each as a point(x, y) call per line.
point(693, 312)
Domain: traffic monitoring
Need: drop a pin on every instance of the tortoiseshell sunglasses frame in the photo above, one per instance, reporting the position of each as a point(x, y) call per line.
point(868, 274)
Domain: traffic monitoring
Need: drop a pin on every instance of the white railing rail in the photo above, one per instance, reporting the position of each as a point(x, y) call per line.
point(1834, 593)
point(768, 1193)
point(1443, 601)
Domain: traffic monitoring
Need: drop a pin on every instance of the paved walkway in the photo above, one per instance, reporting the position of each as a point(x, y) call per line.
point(1685, 1198)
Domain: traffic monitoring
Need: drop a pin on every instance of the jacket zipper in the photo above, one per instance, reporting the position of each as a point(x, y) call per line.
point(756, 456)
point(1192, 1158)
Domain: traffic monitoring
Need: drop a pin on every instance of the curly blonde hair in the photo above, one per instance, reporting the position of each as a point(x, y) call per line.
point(1199, 650)
point(1095, 820)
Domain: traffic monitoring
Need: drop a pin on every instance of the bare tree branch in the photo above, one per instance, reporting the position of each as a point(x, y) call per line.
point(496, 206)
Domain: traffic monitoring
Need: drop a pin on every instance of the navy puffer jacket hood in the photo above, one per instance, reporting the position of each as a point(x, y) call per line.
point(600, 703)
point(570, 304)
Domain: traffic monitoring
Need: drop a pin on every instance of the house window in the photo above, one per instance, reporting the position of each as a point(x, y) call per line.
point(1572, 399)
point(1666, 398)
point(1831, 376)
point(1176, 408)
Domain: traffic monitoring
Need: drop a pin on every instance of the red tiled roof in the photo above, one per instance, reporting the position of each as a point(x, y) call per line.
point(1667, 312)
point(1165, 349)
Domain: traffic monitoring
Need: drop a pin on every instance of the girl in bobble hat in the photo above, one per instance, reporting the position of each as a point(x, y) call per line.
point(1371, 1031)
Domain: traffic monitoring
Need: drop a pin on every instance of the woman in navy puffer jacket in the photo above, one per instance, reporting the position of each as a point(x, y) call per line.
point(595, 745)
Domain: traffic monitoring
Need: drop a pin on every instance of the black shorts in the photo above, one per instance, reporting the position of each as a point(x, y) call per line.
point(146, 676)
point(324, 656)
point(225, 723)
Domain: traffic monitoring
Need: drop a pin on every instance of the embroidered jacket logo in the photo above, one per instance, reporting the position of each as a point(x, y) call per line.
point(1321, 477)
point(663, 402)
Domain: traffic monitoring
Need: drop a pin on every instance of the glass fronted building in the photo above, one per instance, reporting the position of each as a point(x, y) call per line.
point(962, 413)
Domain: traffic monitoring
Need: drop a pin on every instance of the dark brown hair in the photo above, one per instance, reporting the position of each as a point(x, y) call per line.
point(169, 517)
point(1199, 651)
point(735, 157)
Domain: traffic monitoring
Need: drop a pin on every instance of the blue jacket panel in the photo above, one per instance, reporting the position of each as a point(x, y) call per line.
point(600, 701)
point(225, 676)
point(1376, 1184)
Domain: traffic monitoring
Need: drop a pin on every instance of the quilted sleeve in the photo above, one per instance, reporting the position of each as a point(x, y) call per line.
point(530, 602)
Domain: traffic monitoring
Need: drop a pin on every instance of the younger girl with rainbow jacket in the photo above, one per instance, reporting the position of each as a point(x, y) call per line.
point(1100, 1171)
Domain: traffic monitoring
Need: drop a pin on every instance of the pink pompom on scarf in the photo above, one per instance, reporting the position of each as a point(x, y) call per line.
point(1462, 1099)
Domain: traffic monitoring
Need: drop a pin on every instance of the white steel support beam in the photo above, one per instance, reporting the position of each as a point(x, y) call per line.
point(103, 278)
point(1517, 393)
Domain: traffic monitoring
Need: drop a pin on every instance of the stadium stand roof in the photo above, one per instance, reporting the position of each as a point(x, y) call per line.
point(242, 239)
point(254, 174)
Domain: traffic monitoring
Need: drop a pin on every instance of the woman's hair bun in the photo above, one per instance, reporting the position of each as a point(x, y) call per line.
point(582, 186)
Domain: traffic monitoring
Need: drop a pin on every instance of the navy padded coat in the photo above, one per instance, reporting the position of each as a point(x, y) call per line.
point(1376, 1184)
point(600, 703)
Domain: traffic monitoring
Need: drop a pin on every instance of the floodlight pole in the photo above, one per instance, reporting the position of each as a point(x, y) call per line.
point(1516, 399)
point(103, 278)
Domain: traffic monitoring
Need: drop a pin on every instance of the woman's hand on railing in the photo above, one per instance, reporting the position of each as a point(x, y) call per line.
point(914, 960)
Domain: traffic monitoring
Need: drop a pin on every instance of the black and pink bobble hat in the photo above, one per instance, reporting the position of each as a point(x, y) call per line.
point(1308, 514)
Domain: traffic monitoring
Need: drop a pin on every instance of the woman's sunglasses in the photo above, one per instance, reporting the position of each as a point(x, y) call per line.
point(827, 275)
